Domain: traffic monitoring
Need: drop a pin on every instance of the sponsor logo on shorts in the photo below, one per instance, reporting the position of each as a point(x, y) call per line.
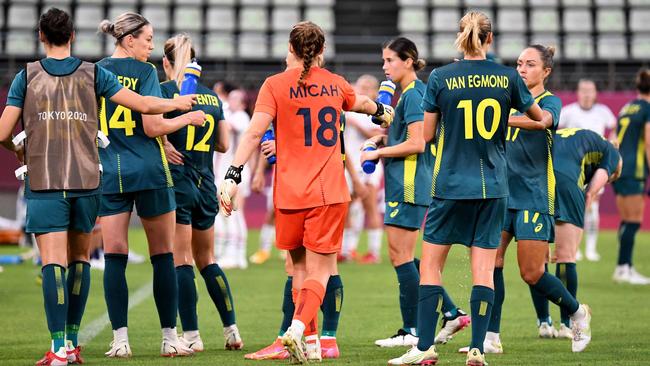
point(394, 213)
point(393, 204)
point(539, 227)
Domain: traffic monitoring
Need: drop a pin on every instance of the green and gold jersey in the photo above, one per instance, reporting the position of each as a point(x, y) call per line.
point(133, 161)
point(408, 179)
point(196, 143)
point(531, 181)
point(632, 121)
point(578, 153)
point(473, 99)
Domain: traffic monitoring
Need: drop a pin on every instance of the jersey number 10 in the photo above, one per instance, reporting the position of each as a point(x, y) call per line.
point(467, 107)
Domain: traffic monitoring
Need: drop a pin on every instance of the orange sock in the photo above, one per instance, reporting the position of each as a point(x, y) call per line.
point(312, 327)
point(309, 300)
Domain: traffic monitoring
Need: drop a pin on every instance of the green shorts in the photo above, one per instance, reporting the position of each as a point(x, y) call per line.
point(629, 186)
point(530, 225)
point(405, 215)
point(469, 222)
point(149, 203)
point(62, 214)
point(196, 201)
point(570, 203)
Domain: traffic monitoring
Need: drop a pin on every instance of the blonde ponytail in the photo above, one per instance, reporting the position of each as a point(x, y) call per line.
point(474, 30)
point(179, 52)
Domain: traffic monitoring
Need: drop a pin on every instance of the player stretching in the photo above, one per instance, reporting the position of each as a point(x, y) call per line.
point(583, 162)
point(466, 108)
point(634, 140)
point(62, 208)
point(408, 161)
point(190, 152)
point(136, 172)
point(311, 197)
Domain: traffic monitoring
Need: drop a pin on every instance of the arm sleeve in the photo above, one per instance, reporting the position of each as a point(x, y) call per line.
point(412, 104)
point(349, 96)
point(522, 100)
point(150, 84)
point(265, 100)
point(553, 105)
point(17, 91)
point(106, 84)
point(429, 103)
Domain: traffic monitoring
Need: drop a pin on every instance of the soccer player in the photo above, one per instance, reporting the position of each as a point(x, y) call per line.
point(408, 161)
point(583, 162)
point(634, 145)
point(531, 209)
point(311, 197)
point(258, 185)
point(62, 208)
point(364, 201)
point(136, 172)
point(190, 151)
point(587, 113)
point(466, 107)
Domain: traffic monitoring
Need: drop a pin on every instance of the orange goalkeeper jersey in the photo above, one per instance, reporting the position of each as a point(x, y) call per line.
point(307, 120)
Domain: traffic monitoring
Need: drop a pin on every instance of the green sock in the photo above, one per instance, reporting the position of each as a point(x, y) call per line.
point(568, 274)
point(288, 307)
point(116, 290)
point(331, 306)
point(165, 289)
point(187, 298)
point(429, 306)
point(409, 282)
point(449, 309)
point(481, 302)
point(78, 289)
point(499, 298)
point(540, 303)
point(555, 292)
point(626, 235)
point(219, 291)
point(55, 298)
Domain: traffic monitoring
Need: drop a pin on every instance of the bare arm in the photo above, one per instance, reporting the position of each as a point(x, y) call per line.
point(414, 143)
point(156, 125)
point(363, 104)
point(430, 125)
point(152, 105)
point(535, 112)
point(597, 182)
point(526, 123)
point(251, 138)
point(10, 116)
point(223, 137)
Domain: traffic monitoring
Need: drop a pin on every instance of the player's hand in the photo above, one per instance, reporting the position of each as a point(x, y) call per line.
point(185, 102)
point(173, 156)
point(20, 153)
point(258, 182)
point(197, 118)
point(228, 196)
point(359, 190)
point(384, 114)
point(268, 148)
point(378, 140)
point(369, 155)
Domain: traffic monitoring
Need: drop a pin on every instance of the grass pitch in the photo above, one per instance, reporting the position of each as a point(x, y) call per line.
point(370, 311)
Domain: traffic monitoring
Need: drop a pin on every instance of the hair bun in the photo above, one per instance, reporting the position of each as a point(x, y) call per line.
point(419, 64)
point(551, 50)
point(106, 26)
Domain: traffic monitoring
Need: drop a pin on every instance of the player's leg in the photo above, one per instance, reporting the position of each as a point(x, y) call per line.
point(375, 229)
point(331, 308)
point(592, 223)
point(187, 293)
point(267, 232)
point(631, 210)
point(567, 241)
point(241, 230)
point(352, 231)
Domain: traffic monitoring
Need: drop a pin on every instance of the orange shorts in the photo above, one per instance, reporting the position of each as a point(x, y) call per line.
point(319, 229)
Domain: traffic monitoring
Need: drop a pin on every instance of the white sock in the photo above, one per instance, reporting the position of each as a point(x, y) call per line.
point(191, 335)
point(169, 334)
point(242, 236)
point(121, 334)
point(267, 235)
point(592, 221)
point(311, 338)
point(374, 241)
point(297, 328)
point(219, 236)
point(578, 315)
point(491, 336)
point(327, 337)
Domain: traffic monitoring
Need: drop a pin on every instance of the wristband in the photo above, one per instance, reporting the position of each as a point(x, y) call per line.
point(380, 110)
point(234, 173)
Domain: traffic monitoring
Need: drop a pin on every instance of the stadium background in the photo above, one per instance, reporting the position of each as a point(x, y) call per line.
point(243, 41)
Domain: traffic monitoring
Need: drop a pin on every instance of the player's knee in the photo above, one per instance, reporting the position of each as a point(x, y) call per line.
point(530, 275)
point(202, 261)
point(117, 247)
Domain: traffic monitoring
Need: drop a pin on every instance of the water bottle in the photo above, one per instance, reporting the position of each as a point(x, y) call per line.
point(369, 165)
point(268, 136)
point(385, 96)
point(10, 259)
point(191, 80)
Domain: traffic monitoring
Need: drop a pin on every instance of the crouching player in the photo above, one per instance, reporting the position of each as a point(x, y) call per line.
point(63, 182)
point(583, 162)
point(190, 152)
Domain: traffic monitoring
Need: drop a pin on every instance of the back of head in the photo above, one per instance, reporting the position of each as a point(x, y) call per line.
point(643, 81)
point(308, 41)
point(406, 49)
point(179, 51)
point(475, 28)
point(56, 26)
point(125, 24)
